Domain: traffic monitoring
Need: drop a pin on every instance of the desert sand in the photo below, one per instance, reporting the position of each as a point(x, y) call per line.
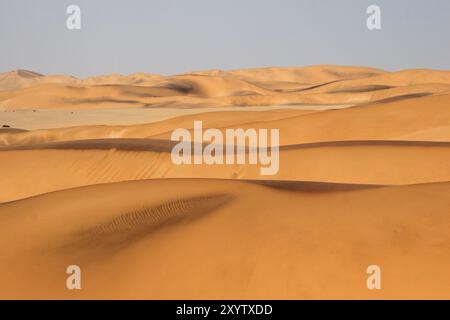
point(87, 179)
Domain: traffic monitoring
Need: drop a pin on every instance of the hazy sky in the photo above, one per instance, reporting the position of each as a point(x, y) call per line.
point(173, 36)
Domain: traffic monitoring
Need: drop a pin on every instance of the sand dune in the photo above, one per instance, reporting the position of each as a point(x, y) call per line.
point(152, 128)
point(24, 78)
point(416, 119)
point(304, 76)
point(377, 121)
point(66, 165)
point(87, 179)
point(319, 85)
point(227, 239)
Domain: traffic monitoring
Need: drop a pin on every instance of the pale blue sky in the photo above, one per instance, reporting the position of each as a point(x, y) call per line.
point(173, 36)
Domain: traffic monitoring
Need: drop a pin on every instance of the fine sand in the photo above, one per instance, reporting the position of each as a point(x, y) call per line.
point(364, 177)
point(186, 239)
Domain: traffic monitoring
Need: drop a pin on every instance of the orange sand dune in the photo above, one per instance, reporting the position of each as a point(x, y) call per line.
point(20, 79)
point(377, 121)
point(319, 85)
point(312, 75)
point(388, 80)
point(415, 119)
point(87, 179)
point(183, 239)
point(23, 78)
point(66, 165)
point(160, 128)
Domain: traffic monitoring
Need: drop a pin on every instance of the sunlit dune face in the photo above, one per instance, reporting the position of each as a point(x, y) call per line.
point(228, 237)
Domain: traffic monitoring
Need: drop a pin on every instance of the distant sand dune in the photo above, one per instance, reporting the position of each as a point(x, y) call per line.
point(397, 120)
point(319, 85)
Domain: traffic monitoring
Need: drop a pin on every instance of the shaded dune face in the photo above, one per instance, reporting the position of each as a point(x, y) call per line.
point(87, 179)
point(367, 88)
point(129, 227)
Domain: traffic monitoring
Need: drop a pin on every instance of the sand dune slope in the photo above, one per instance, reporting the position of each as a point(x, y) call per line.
point(421, 117)
point(154, 128)
point(32, 170)
point(417, 119)
point(182, 239)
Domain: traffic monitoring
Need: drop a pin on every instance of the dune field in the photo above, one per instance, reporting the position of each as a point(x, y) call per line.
point(87, 179)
